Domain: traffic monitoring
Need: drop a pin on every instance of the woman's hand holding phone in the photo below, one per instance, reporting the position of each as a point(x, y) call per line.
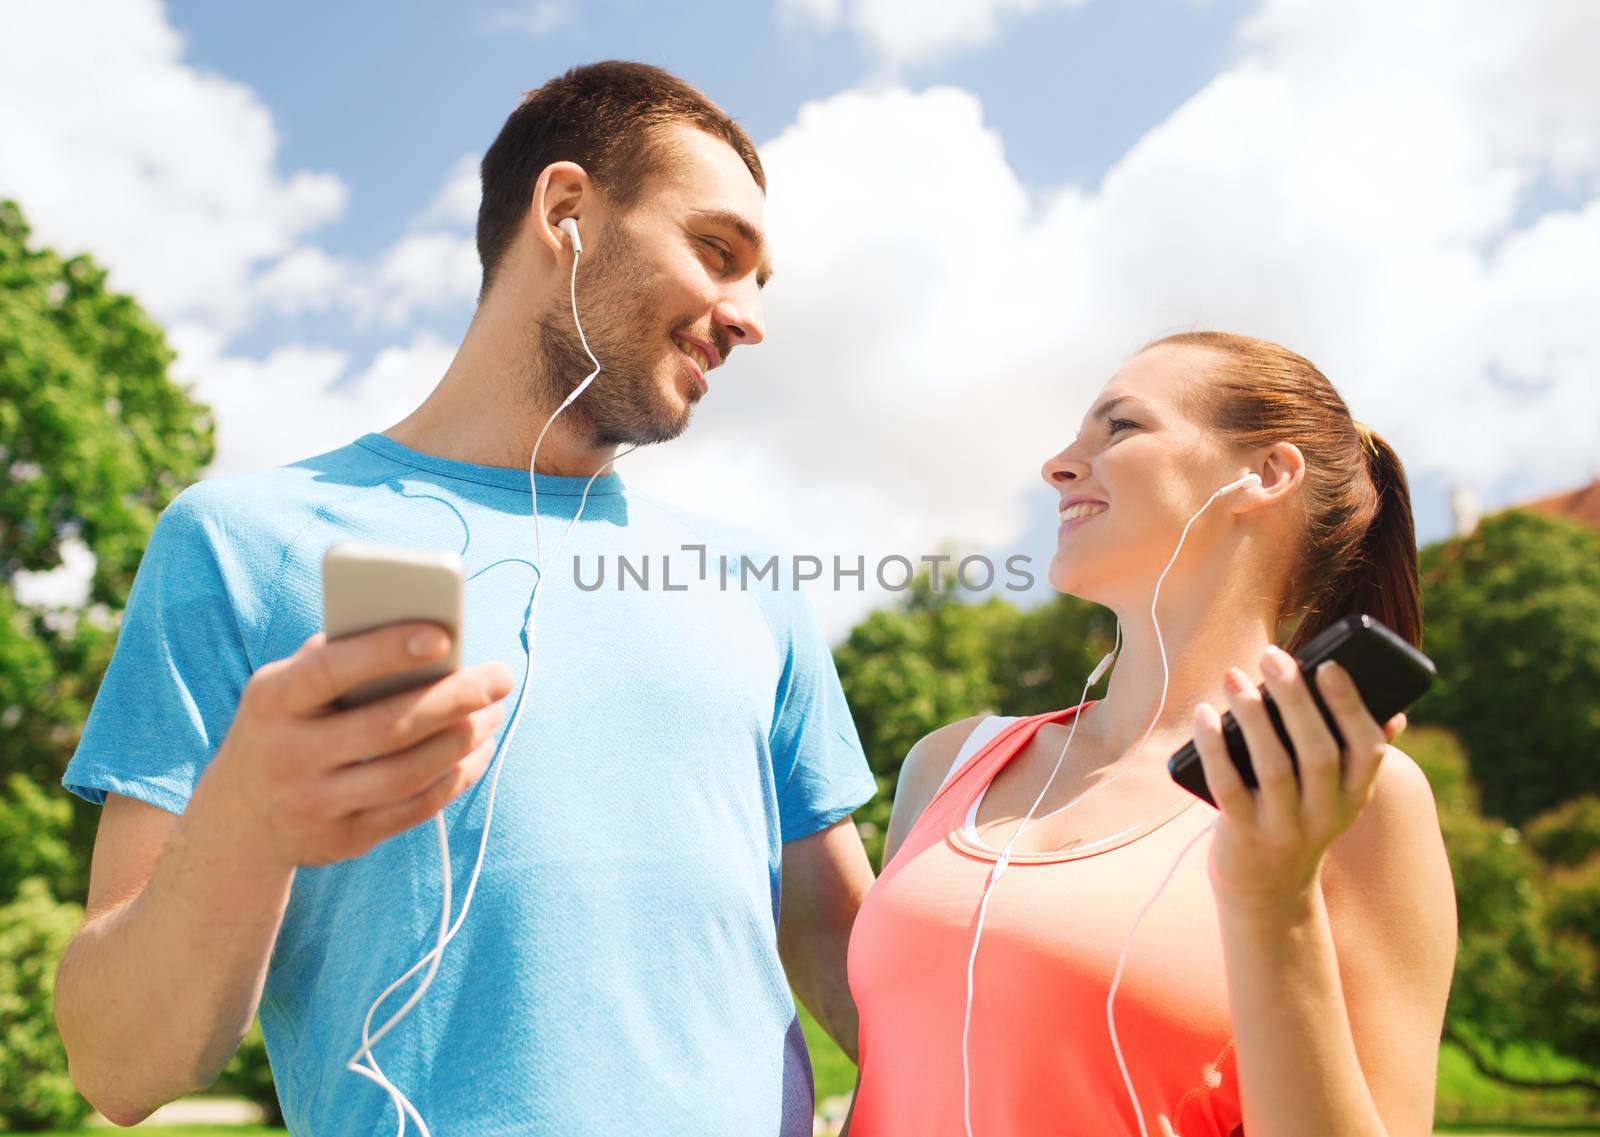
point(1269, 843)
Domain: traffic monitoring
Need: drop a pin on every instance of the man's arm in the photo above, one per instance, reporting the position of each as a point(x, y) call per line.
point(825, 877)
point(159, 985)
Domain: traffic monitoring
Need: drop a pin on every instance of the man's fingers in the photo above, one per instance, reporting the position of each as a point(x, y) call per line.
point(397, 777)
point(402, 720)
point(321, 671)
point(385, 821)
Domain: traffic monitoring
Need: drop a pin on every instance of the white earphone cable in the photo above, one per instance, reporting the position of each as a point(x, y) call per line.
point(447, 931)
point(1028, 821)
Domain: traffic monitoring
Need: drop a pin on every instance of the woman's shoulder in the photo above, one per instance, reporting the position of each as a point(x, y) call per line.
point(1394, 849)
point(932, 754)
point(923, 772)
point(1400, 807)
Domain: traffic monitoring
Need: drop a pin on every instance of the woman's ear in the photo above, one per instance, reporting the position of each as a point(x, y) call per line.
point(1282, 468)
point(563, 190)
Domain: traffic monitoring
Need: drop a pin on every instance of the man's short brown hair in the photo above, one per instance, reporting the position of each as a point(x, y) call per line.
point(606, 117)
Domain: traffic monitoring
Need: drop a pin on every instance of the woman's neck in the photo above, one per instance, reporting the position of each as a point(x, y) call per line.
point(1204, 633)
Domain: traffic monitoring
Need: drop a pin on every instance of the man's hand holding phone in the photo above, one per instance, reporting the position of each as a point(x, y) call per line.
point(325, 783)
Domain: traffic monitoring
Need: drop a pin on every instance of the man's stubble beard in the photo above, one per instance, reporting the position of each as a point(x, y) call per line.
point(623, 406)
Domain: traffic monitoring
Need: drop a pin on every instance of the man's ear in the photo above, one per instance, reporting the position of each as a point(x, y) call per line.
point(563, 190)
point(1282, 468)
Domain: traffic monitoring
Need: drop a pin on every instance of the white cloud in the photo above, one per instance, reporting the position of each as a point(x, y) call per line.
point(65, 586)
point(536, 18)
point(904, 33)
point(432, 268)
point(166, 173)
point(307, 280)
point(420, 271)
point(301, 399)
point(456, 203)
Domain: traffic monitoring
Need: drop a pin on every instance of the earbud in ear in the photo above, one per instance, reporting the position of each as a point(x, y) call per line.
point(569, 226)
point(1248, 479)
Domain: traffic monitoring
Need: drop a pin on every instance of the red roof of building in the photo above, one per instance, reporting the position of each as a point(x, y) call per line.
point(1581, 504)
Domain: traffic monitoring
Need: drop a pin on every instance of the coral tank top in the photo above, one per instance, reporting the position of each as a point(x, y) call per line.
point(1040, 1050)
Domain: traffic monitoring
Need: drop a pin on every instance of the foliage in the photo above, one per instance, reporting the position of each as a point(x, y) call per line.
point(33, 836)
point(1513, 621)
point(1569, 834)
point(35, 1091)
point(1521, 976)
point(95, 440)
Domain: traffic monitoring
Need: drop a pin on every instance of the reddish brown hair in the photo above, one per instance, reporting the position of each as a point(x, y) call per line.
point(606, 117)
point(1359, 553)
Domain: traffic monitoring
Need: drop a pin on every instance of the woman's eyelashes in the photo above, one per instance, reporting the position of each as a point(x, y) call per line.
point(1115, 426)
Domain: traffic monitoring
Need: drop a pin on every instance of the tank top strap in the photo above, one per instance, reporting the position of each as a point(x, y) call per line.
point(990, 736)
point(986, 729)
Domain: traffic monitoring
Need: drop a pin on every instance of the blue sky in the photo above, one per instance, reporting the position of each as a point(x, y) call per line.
point(980, 208)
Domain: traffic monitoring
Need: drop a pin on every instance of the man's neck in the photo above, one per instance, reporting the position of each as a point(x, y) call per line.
point(488, 409)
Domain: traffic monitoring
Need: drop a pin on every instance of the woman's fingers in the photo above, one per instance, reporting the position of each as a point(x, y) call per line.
point(1228, 790)
point(1395, 727)
point(1277, 793)
point(1316, 750)
point(1365, 742)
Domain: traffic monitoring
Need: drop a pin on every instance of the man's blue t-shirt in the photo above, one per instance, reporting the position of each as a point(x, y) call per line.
point(618, 972)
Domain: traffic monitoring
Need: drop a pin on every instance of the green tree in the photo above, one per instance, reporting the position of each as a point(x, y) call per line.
point(95, 440)
point(1521, 976)
point(1513, 621)
point(34, 823)
point(1569, 834)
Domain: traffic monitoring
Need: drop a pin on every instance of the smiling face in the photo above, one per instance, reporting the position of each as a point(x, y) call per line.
point(666, 290)
point(1141, 466)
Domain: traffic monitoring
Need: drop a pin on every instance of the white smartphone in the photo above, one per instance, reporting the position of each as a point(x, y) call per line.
point(365, 587)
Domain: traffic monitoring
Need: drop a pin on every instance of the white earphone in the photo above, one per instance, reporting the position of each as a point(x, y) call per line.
point(569, 226)
point(1004, 860)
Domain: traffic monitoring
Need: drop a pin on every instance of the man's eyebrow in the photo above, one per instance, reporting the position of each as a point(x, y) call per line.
point(748, 232)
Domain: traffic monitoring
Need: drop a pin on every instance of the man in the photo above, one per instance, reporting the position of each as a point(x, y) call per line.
point(684, 749)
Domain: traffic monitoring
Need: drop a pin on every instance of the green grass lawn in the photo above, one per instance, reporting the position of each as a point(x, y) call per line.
point(1468, 1098)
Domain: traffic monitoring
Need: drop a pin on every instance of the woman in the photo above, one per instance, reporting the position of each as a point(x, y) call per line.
point(1290, 979)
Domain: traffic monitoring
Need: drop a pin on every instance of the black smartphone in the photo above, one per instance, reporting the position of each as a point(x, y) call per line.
point(1389, 673)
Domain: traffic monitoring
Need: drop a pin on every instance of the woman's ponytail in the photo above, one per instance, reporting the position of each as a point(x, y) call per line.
point(1381, 578)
